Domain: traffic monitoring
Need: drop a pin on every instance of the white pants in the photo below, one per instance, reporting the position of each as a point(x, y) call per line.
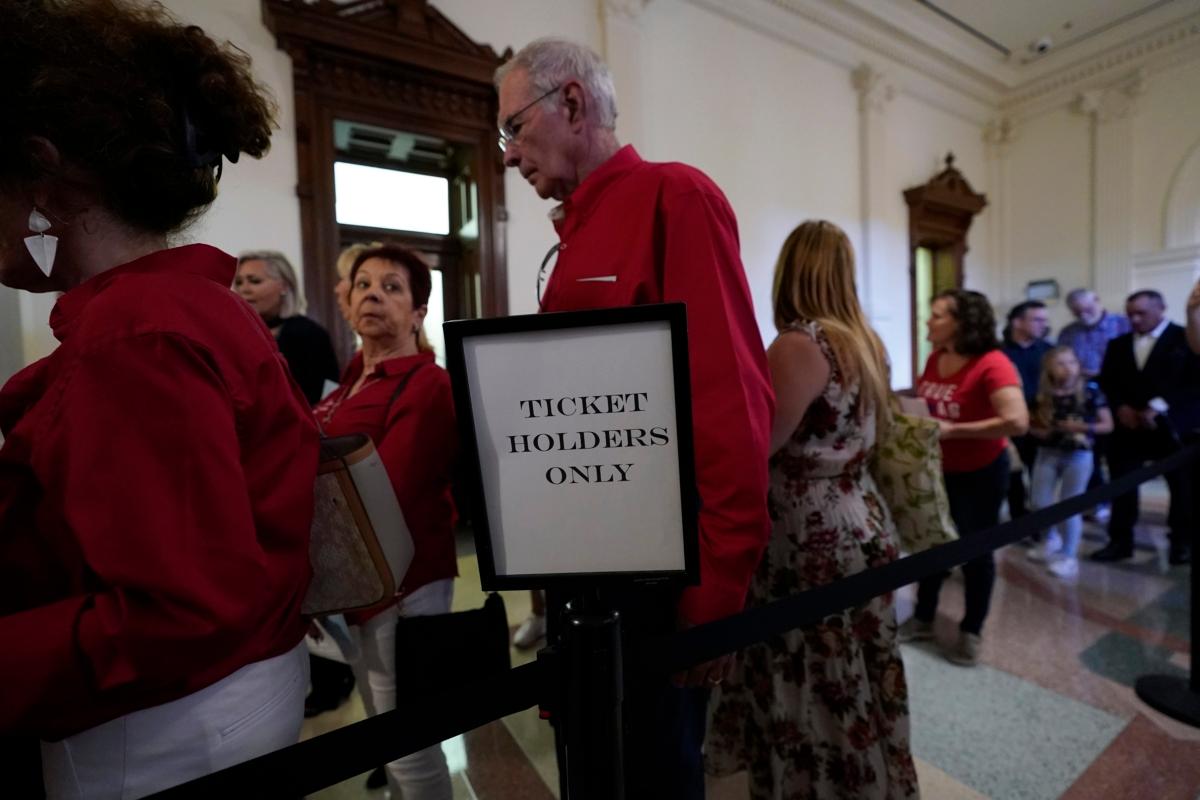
point(254, 711)
point(422, 775)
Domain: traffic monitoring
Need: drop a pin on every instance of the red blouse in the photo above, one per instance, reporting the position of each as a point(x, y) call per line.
point(156, 493)
point(417, 442)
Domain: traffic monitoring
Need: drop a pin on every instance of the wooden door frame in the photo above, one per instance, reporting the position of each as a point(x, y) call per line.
point(940, 213)
point(398, 64)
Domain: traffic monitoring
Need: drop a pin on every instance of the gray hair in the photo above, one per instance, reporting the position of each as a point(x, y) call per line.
point(551, 62)
point(1075, 295)
point(279, 267)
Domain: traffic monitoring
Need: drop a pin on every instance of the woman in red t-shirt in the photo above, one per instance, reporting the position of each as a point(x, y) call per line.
point(974, 392)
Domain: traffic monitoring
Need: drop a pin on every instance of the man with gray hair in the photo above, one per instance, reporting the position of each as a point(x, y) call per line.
point(633, 232)
point(1092, 330)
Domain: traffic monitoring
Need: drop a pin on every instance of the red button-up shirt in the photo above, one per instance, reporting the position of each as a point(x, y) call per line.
point(417, 442)
point(156, 493)
point(632, 233)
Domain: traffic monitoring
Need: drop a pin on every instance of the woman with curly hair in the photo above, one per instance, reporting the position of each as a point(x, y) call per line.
point(821, 711)
point(975, 394)
point(157, 470)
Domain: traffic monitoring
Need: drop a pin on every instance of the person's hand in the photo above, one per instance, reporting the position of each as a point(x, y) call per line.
point(1128, 418)
point(945, 429)
point(707, 675)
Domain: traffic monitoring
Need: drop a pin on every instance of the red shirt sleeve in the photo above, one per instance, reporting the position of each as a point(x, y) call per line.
point(144, 464)
point(732, 401)
point(997, 371)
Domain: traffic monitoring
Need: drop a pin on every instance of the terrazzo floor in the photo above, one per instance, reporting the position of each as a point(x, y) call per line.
point(1050, 712)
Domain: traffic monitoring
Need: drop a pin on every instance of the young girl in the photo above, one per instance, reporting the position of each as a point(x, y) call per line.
point(1070, 411)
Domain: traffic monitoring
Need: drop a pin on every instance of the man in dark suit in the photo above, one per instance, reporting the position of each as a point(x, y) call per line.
point(1152, 380)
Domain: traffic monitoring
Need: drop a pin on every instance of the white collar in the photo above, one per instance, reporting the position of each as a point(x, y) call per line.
point(1157, 332)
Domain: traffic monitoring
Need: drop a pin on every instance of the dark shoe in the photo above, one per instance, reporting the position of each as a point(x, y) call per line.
point(1112, 552)
point(377, 779)
point(1180, 555)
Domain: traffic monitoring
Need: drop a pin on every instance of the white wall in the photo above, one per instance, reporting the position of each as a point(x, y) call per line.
point(1062, 192)
point(1166, 131)
point(1048, 208)
point(256, 207)
point(766, 121)
point(12, 353)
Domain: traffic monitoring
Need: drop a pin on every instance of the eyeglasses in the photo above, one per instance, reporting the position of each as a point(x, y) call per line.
point(548, 264)
point(507, 132)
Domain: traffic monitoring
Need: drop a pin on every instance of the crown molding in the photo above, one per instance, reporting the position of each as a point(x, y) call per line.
point(631, 10)
point(1148, 54)
point(830, 35)
point(927, 60)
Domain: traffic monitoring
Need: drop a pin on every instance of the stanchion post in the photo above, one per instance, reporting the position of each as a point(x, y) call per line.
point(1172, 695)
point(591, 703)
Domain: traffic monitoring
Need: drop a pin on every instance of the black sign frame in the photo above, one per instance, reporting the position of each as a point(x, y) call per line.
point(457, 334)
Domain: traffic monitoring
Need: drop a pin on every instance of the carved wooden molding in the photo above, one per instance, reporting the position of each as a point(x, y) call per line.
point(410, 32)
point(338, 73)
point(940, 213)
point(942, 209)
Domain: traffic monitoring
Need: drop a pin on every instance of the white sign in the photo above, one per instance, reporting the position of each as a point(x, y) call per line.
point(578, 448)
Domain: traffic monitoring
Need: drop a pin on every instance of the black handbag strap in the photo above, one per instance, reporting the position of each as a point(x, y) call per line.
point(401, 385)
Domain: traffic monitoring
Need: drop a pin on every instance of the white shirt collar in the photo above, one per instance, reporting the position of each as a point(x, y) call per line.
point(1157, 332)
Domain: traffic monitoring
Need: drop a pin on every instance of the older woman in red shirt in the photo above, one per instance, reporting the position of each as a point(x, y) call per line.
point(156, 475)
point(395, 393)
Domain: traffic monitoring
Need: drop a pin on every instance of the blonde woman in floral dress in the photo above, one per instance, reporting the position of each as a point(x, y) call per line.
point(821, 712)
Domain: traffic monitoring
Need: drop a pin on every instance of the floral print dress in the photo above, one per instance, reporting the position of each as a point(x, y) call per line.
point(821, 712)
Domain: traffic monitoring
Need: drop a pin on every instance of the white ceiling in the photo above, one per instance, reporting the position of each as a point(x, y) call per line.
point(1018, 25)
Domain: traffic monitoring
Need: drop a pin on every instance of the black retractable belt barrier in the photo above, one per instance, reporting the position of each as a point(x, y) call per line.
point(335, 756)
point(705, 642)
point(424, 721)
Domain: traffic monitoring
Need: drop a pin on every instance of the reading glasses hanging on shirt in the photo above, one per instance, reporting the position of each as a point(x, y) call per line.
point(547, 267)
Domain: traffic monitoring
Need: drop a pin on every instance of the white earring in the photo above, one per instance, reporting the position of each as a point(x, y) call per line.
point(41, 247)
